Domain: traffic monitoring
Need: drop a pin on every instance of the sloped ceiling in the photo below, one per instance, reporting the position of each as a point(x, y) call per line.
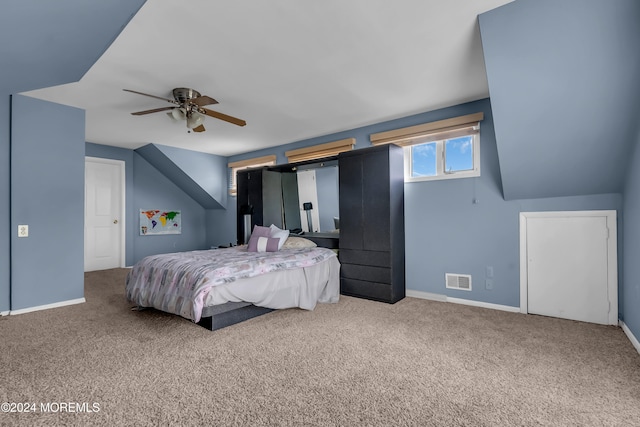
point(46, 43)
point(292, 69)
point(564, 84)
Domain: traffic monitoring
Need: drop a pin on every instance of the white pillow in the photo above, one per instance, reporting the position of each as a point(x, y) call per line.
point(275, 232)
point(298, 242)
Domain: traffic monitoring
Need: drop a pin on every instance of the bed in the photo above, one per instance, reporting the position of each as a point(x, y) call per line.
point(219, 287)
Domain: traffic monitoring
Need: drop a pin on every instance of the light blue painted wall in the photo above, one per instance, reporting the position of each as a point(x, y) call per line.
point(52, 43)
point(151, 186)
point(63, 40)
point(47, 193)
point(563, 82)
point(221, 225)
point(5, 208)
point(630, 292)
point(206, 170)
point(446, 232)
point(153, 190)
point(464, 225)
point(187, 179)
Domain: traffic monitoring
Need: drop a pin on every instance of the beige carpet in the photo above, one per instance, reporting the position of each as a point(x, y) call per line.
point(415, 363)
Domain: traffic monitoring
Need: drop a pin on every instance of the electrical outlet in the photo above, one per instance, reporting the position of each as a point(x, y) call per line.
point(489, 272)
point(23, 231)
point(488, 284)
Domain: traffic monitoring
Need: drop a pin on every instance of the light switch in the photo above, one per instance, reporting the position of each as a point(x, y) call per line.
point(23, 231)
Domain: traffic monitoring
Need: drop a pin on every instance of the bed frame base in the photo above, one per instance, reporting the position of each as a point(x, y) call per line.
point(221, 316)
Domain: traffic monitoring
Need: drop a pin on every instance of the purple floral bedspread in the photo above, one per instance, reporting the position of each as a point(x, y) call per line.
point(179, 282)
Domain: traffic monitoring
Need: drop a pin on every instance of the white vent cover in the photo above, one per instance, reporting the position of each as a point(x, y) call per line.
point(458, 281)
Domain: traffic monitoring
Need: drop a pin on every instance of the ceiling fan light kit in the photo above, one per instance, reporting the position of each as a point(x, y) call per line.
point(190, 108)
point(194, 120)
point(177, 114)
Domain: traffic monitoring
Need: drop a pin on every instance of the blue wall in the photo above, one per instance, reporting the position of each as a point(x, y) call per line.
point(148, 188)
point(48, 43)
point(464, 225)
point(221, 225)
point(5, 207)
point(208, 171)
point(64, 39)
point(446, 231)
point(47, 193)
point(563, 82)
point(154, 191)
point(630, 293)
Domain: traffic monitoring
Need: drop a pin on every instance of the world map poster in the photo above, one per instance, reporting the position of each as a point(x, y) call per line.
point(153, 221)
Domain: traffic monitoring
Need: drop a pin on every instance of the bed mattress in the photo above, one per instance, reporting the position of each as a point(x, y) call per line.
point(189, 282)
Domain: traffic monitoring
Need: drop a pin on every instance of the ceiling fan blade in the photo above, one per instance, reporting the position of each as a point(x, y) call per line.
point(203, 100)
point(221, 116)
point(155, 110)
point(153, 96)
point(198, 129)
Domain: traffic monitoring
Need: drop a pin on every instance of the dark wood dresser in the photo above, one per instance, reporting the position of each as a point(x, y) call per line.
point(371, 246)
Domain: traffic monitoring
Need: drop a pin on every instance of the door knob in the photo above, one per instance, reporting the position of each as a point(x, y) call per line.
point(115, 221)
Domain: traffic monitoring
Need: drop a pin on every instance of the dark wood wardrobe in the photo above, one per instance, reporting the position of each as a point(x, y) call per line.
point(259, 194)
point(372, 223)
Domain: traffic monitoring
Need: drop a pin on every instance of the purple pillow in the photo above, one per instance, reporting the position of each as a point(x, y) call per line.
point(260, 231)
point(261, 242)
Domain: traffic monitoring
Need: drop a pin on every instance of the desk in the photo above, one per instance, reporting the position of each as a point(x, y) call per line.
point(325, 240)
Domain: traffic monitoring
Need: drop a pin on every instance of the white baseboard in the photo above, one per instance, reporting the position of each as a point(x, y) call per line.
point(48, 306)
point(4, 313)
point(444, 298)
point(426, 295)
point(630, 335)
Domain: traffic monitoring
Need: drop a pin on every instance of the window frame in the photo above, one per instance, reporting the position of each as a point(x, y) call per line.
point(438, 132)
point(441, 161)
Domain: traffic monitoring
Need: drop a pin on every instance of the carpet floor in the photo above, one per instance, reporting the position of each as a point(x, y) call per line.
point(354, 363)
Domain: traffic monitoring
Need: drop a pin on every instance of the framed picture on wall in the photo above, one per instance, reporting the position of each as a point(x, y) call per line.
point(158, 221)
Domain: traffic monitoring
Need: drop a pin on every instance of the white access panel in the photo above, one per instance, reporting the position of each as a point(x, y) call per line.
point(570, 263)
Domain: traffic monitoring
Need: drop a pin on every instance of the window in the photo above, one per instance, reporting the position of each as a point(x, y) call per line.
point(246, 164)
point(448, 158)
point(438, 150)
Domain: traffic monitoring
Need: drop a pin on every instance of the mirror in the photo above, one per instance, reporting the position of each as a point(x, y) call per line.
point(328, 184)
point(290, 201)
point(322, 185)
point(310, 196)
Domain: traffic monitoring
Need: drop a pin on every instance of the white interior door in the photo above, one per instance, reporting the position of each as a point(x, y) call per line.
point(104, 219)
point(308, 192)
point(571, 265)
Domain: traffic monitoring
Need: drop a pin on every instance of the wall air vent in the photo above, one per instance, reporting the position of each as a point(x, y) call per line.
point(458, 281)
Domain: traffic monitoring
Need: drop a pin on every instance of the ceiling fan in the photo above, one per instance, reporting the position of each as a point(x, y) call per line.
point(189, 106)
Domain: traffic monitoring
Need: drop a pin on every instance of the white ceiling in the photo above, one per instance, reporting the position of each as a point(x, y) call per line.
point(292, 69)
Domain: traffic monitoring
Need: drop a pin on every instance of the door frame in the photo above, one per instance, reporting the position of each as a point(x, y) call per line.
point(612, 255)
point(121, 166)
